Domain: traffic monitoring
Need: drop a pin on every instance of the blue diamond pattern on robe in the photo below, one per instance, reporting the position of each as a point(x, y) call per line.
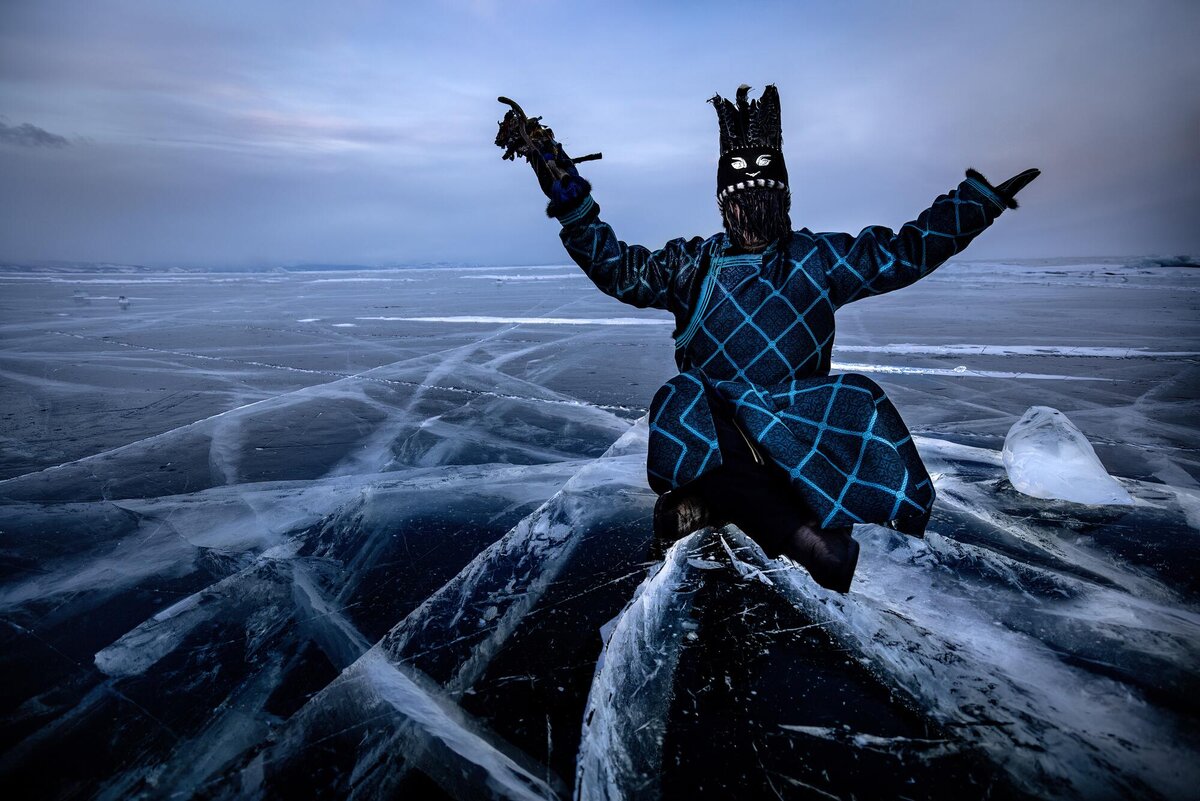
point(754, 334)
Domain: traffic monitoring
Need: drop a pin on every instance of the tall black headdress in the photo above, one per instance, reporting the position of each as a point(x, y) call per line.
point(751, 143)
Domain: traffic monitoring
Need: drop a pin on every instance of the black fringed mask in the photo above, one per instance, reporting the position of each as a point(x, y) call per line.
point(752, 179)
point(750, 168)
point(751, 143)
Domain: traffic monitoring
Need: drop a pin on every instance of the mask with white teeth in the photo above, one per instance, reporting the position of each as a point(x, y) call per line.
point(752, 180)
point(750, 168)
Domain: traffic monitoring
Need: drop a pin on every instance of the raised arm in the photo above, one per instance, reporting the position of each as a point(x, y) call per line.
point(879, 260)
point(630, 273)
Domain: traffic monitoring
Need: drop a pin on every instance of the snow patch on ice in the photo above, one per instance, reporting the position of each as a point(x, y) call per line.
point(956, 372)
point(358, 280)
point(550, 277)
point(1014, 350)
point(492, 320)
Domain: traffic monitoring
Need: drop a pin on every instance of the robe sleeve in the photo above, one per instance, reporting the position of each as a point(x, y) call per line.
point(630, 273)
point(878, 260)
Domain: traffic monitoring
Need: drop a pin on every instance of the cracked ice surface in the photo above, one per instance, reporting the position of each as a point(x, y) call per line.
point(249, 551)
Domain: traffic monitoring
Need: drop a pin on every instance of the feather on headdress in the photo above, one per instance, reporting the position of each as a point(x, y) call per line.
point(749, 123)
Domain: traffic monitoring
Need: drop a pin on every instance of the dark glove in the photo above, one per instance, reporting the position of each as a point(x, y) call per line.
point(558, 177)
point(1012, 186)
point(1008, 190)
point(524, 136)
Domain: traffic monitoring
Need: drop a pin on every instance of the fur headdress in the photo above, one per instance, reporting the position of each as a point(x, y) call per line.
point(751, 143)
point(749, 123)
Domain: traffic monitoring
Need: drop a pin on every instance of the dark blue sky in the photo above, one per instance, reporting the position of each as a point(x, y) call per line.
point(206, 133)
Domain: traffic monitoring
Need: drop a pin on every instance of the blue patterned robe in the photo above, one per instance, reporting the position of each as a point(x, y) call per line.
point(753, 338)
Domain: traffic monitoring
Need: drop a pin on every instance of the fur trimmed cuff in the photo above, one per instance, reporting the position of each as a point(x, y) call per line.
point(979, 182)
point(584, 213)
point(562, 208)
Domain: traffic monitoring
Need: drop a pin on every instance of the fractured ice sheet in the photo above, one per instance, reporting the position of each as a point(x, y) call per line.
point(268, 620)
point(710, 670)
point(1065, 667)
point(247, 556)
point(450, 642)
point(994, 665)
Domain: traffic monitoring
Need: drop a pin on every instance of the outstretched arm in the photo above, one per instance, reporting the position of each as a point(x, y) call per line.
point(630, 273)
point(879, 260)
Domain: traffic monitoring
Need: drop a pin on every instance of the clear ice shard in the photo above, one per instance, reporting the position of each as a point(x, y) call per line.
point(1046, 456)
point(620, 752)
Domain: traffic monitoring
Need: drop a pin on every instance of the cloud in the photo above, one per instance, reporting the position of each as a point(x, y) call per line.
point(26, 135)
point(226, 133)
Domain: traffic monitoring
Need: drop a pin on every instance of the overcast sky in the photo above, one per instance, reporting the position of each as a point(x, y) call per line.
point(204, 133)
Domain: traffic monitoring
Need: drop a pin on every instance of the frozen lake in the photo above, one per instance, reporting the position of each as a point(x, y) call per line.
point(309, 534)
